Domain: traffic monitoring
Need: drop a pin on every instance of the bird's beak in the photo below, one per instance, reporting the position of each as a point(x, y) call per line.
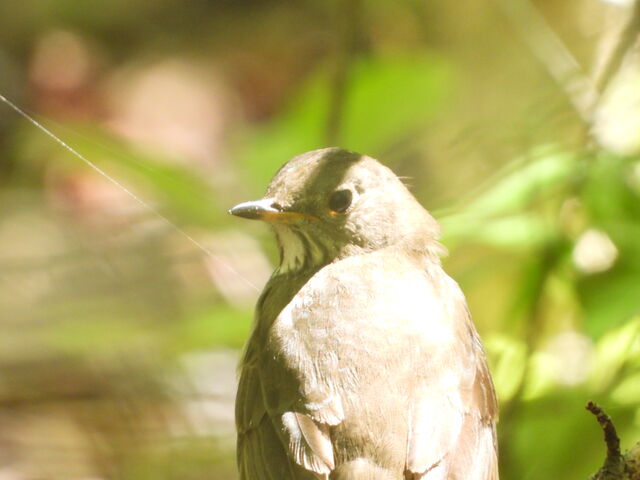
point(266, 209)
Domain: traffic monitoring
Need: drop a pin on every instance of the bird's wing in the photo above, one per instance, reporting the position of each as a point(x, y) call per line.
point(448, 439)
point(250, 408)
point(452, 423)
point(308, 442)
point(260, 455)
point(288, 446)
point(301, 415)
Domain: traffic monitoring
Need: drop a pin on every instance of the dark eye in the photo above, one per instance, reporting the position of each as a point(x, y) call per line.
point(340, 201)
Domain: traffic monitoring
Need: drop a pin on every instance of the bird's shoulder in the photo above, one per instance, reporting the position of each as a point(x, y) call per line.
point(371, 274)
point(385, 289)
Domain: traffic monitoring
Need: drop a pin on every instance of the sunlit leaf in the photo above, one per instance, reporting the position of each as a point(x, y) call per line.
point(515, 232)
point(628, 391)
point(612, 352)
point(610, 298)
point(607, 194)
point(216, 326)
point(509, 361)
point(513, 189)
point(541, 375)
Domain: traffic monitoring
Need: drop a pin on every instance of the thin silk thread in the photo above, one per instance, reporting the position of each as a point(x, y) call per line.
point(122, 187)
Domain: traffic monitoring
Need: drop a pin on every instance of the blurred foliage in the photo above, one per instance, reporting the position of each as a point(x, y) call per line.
point(121, 318)
point(375, 112)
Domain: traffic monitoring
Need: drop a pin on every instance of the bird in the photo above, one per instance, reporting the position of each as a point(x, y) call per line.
point(363, 362)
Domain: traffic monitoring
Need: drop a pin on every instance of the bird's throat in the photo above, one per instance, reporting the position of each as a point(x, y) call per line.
point(299, 250)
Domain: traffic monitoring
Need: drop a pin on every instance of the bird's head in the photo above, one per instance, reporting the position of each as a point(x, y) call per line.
point(330, 203)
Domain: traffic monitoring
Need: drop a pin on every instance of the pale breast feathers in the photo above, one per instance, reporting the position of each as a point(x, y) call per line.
point(385, 370)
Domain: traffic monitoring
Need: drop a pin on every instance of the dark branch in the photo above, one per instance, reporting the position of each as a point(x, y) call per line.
point(610, 435)
point(614, 464)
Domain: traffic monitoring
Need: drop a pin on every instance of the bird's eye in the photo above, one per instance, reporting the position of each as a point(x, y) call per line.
point(340, 201)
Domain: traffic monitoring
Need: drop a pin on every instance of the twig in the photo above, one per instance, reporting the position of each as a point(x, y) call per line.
point(625, 41)
point(614, 463)
point(553, 54)
point(610, 435)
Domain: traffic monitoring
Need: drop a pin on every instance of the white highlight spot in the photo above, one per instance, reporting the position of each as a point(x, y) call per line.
point(622, 3)
point(594, 252)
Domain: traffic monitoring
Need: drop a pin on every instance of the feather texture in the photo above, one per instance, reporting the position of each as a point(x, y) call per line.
point(309, 443)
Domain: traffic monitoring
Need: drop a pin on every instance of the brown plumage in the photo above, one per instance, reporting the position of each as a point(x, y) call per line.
point(363, 362)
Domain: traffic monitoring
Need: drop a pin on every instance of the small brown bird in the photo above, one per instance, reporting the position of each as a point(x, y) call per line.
point(363, 362)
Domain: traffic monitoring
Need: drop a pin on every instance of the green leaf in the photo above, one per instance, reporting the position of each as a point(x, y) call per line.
point(612, 351)
point(216, 326)
point(607, 194)
point(541, 379)
point(628, 391)
point(515, 232)
point(388, 98)
point(509, 361)
point(609, 299)
point(522, 181)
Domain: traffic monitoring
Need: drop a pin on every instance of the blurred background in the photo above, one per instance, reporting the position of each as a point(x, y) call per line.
point(516, 122)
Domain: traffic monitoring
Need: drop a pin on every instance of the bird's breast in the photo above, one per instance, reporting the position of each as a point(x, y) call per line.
point(359, 312)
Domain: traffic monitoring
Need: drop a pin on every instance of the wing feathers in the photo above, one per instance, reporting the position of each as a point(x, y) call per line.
point(309, 442)
point(435, 427)
point(330, 411)
point(475, 454)
point(250, 408)
point(273, 455)
point(251, 464)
